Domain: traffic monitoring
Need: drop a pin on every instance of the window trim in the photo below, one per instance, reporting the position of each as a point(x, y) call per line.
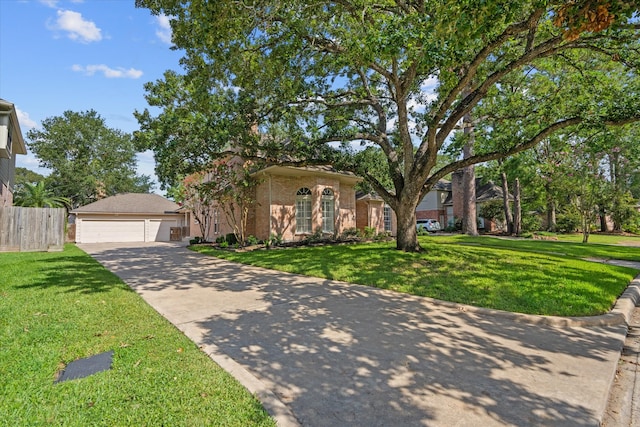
point(303, 207)
point(328, 197)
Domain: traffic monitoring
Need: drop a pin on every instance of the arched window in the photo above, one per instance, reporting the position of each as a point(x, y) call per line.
point(303, 210)
point(328, 211)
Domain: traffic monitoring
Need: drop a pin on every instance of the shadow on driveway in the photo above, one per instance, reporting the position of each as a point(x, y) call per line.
point(342, 354)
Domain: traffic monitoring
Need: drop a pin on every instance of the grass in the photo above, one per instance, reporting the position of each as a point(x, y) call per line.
point(59, 307)
point(598, 238)
point(535, 277)
point(567, 245)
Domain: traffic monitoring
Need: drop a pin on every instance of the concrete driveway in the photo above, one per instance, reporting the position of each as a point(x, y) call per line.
point(325, 353)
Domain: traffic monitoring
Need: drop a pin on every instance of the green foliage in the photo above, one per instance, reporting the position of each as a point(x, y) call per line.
point(231, 239)
point(531, 223)
point(224, 244)
point(316, 78)
point(422, 231)
point(369, 232)
point(252, 240)
point(39, 196)
point(24, 175)
point(351, 234)
point(58, 307)
point(492, 210)
point(275, 239)
point(88, 160)
point(568, 222)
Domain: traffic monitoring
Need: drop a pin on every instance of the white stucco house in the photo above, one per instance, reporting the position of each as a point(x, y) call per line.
point(129, 217)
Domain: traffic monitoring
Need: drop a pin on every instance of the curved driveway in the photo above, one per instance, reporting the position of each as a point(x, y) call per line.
point(326, 353)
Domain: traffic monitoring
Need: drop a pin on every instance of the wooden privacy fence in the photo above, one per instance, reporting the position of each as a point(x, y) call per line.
point(32, 229)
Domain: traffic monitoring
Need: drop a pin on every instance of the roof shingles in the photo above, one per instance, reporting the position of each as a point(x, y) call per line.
point(130, 203)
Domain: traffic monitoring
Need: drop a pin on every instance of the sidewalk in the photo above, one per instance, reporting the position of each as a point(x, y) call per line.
point(326, 353)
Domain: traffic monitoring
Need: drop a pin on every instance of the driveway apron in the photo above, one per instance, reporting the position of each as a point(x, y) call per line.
point(327, 353)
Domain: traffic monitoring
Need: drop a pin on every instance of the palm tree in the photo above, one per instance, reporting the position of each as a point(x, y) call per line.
point(38, 196)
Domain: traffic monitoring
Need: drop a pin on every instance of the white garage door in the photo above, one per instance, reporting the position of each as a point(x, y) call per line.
point(160, 230)
point(101, 231)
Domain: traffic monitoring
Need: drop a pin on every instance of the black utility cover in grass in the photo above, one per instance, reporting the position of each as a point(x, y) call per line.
point(84, 367)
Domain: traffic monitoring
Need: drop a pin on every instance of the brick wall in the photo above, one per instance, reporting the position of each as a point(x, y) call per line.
point(276, 201)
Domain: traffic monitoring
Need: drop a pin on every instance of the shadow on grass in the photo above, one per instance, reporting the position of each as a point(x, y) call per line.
point(72, 271)
point(495, 278)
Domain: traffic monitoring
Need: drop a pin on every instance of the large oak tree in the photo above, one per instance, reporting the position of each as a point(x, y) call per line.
point(398, 75)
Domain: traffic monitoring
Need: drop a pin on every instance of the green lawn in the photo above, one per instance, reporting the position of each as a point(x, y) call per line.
point(607, 239)
point(526, 276)
point(58, 307)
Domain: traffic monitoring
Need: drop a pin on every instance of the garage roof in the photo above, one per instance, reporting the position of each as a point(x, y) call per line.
point(130, 203)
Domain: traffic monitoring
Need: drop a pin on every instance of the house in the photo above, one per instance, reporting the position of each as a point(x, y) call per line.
point(445, 202)
point(129, 217)
point(295, 202)
point(11, 144)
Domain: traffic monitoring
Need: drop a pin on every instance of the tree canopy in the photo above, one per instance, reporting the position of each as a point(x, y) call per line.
point(320, 78)
point(88, 160)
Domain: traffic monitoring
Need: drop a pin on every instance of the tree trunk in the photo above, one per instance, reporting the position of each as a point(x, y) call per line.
point(407, 237)
point(508, 217)
point(469, 211)
point(603, 222)
point(517, 209)
point(586, 227)
point(551, 211)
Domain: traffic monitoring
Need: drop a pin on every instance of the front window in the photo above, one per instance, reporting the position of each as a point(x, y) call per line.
point(328, 211)
point(303, 210)
point(387, 218)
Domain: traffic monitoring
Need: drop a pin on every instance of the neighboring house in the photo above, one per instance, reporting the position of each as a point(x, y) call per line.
point(295, 202)
point(129, 217)
point(433, 205)
point(445, 202)
point(11, 144)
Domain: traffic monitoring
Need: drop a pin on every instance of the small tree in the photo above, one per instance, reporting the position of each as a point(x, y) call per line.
point(230, 185)
point(39, 196)
point(199, 201)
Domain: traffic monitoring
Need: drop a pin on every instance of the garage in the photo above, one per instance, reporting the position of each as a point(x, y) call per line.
point(130, 217)
point(103, 231)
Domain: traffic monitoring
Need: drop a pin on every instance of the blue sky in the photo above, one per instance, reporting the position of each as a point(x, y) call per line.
point(80, 55)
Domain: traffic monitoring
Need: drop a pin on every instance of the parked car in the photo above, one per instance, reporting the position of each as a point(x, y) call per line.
point(431, 225)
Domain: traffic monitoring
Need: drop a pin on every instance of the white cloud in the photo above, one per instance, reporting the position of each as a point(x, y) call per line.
point(77, 27)
point(164, 30)
point(50, 3)
point(25, 121)
point(110, 73)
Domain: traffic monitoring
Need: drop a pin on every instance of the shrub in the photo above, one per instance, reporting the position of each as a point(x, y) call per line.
point(224, 244)
point(315, 237)
point(350, 234)
point(220, 239)
point(231, 239)
point(530, 223)
point(568, 222)
point(421, 231)
point(274, 239)
point(369, 232)
point(252, 240)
